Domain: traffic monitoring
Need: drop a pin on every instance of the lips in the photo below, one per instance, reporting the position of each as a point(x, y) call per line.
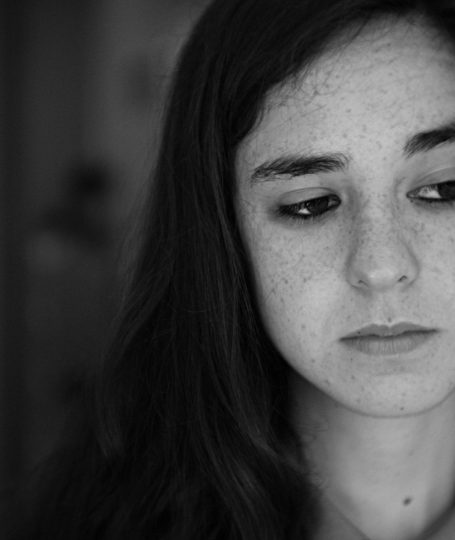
point(382, 330)
point(383, 340)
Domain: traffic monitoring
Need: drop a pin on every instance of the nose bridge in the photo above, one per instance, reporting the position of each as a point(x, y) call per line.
point(381, 256)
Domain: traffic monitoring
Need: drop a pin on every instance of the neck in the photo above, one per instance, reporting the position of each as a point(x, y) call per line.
point(392, 478)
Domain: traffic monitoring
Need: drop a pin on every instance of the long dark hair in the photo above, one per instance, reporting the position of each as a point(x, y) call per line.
point(189, 436)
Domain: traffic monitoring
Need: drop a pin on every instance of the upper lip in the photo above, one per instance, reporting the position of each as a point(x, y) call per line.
point(384, 330)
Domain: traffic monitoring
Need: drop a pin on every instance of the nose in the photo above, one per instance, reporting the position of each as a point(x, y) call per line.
point(381, 259)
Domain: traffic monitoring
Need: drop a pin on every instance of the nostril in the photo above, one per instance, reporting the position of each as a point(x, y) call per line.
point(380, 280)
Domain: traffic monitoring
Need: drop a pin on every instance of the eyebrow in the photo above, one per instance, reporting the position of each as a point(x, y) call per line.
point(427, 140)
point(299, 165)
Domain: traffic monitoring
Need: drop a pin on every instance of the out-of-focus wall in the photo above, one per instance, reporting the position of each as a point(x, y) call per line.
point(3, 430)
point(62, 265)
point(92, 79)
point(12, 271)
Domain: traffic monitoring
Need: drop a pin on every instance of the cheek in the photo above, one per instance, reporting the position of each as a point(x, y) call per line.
point(440, 257)
point(296, 282)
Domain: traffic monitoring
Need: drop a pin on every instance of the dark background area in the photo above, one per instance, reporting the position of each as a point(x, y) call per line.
point(81, 99)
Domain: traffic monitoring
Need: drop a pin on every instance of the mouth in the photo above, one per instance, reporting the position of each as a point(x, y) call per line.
point(383, 330)
point(389, 344)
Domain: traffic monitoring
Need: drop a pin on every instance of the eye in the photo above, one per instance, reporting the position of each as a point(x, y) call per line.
point(440, 194)
point(309, 210)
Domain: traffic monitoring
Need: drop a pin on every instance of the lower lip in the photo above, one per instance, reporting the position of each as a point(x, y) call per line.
point(389, 345)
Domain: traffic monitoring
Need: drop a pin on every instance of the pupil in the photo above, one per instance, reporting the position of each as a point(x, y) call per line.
point(447, 190)
point(318, 205)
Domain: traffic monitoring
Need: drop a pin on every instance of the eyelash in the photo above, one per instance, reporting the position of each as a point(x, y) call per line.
point(290, 211)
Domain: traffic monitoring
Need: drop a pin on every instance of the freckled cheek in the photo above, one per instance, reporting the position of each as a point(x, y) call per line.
point(292, 275)
point(280, 265)
point(441, 259)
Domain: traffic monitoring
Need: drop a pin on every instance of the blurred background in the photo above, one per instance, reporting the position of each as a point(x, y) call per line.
point(81, 99)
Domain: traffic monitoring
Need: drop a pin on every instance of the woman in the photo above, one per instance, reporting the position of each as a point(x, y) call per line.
point(283, 365)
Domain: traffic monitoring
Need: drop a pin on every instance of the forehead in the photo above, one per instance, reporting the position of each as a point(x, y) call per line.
point(392, 80)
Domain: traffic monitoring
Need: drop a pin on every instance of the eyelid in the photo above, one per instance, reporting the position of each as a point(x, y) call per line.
point(443, 174)
point(304, 194)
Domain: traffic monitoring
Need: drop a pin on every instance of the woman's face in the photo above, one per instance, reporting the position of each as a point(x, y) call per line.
point(360, 112)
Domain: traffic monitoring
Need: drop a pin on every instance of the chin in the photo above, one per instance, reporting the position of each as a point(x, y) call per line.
point(406, 401)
